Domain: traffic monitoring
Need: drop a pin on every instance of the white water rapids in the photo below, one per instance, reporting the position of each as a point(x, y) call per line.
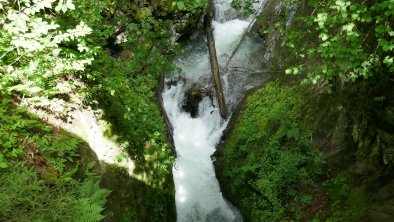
point(198, 196)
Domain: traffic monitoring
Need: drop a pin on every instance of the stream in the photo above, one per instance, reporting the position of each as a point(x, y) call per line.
point(198, 195)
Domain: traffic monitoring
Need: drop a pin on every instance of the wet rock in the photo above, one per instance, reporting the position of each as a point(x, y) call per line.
point(193, 98)
point(174, 81)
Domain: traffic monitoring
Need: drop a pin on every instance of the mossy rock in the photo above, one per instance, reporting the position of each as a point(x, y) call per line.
point(135, 200)
point(270, 134)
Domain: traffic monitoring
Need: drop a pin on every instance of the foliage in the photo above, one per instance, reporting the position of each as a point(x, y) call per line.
point(346, 204)
point(40, 58)
point(269, 155)
point(190, 5)
point(125, 88)
point(104, 53)
point(91, 201)
point(18, 132)
point(51, 191)
point(42, 63)
point(245, 5)
point(347, 41)
point(49, 65)
point(25, 197)
point(272, 171)
point(346, 47)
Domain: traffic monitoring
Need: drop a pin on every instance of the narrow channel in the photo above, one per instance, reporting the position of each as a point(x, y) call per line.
point(197, 133)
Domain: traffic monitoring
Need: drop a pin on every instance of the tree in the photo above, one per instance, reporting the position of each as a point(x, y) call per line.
point(41, 59)
point(354, 41)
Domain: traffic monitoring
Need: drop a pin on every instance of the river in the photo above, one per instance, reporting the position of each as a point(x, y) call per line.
point(198, 196)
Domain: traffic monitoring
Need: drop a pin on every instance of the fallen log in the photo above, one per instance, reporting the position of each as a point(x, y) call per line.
point(213, 59)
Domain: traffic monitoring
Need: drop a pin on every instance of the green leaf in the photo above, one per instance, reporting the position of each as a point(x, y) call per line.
point(59, 6)
point(181, 5)
point(70, 5)
point(3, 165)
point(64, 8)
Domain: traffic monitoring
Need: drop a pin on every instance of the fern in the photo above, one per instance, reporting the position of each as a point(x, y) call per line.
point(91, 189)
point(91, 202)
point(88, 211)
point(24, 197)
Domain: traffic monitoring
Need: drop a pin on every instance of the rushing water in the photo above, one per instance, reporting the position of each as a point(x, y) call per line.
point(198, 196)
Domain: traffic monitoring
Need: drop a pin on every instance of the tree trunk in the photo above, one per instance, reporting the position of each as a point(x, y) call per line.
point(213, 59)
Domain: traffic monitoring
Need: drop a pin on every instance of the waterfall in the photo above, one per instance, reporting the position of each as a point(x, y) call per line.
point(198, 196)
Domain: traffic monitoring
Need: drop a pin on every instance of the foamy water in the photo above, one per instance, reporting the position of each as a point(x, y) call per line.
point(198, 196)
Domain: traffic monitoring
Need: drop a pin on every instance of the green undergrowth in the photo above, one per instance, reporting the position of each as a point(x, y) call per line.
point(41, 175)
point(127, 77)
point(129, 103)
point(270, 157)
point(270, 169)
point(126, 93)
point(108, 55)
point(344, 203)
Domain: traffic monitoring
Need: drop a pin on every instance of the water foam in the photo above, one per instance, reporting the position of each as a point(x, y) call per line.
point(198, 196)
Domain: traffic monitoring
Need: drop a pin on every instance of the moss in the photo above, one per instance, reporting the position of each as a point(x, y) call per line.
point(352, 127)
point(267, 162)
point(269, 167)
point(135, 200)
point(346, 203)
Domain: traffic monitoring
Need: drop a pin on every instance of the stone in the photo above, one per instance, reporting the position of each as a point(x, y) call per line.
point(193, 98)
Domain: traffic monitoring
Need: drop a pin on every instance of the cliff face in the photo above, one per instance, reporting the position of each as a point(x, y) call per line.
point(350, 129)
